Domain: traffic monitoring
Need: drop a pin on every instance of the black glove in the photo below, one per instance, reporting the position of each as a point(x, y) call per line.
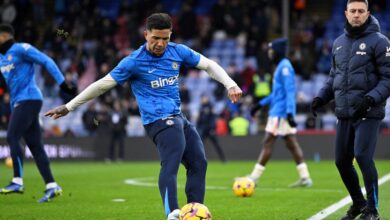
point(315, 105)
point(69, 89)
point(364, 107)
point(291, 121)
point(254, 109)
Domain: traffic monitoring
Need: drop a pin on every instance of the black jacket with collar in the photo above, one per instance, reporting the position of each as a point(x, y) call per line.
point(360, 67)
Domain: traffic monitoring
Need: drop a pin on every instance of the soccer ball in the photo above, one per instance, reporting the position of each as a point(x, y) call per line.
point(194, 211)
point(8, 162)
point(243, 187)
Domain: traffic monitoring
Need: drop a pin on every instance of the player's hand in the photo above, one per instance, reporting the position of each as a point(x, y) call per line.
point(291, 120)
point(315, 105)
point(234, 94)
point(57, 112)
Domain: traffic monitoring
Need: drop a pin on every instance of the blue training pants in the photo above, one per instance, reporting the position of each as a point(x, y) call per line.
point(357, 138)
point(24, 123)
point(178, 142)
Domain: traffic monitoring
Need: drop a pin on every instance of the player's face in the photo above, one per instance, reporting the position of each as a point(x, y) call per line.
point(157, 40)
point(3, 38)
point(357, 13)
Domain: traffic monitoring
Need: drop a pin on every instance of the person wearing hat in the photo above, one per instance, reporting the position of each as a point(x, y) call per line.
point(281, 114)
point(17, 76)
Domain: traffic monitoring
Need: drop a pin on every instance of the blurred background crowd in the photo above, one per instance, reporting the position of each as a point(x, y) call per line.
point(87, 38)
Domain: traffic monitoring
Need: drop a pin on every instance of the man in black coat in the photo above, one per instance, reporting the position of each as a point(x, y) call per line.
point(206, 126)
point(359, 82)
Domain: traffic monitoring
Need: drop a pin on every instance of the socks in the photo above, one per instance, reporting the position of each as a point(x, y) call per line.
point(51, 185)
point(303, 171)
point(257, 171)
point(17, 180)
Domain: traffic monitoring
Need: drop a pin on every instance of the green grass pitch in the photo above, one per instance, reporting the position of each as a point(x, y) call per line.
point(90, 188)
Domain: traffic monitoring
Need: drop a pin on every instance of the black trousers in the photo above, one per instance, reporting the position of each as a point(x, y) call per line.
point(178, 142)
point(357, 138)
point(24, 123)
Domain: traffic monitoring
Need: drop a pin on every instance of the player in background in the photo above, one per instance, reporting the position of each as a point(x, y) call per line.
point(153, 72)
point(359, 83)
point(281, 114)
point(17, 72)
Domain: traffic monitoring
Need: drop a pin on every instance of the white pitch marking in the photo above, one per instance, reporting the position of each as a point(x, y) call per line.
point(118, 200)
point(141, 182)
point(343, 202)
point(145, 182)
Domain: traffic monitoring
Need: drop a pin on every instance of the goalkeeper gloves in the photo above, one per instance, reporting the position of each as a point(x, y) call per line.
point(364, 107)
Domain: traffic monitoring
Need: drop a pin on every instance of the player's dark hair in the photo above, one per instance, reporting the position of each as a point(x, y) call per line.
point(7, 28)
point(158, 21)
point(364, 1)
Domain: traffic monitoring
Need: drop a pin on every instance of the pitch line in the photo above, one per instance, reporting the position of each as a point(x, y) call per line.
point(142, 182)
point(343, 202)
point(145, 182)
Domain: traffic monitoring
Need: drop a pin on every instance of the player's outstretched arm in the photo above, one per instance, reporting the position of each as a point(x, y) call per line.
point(94, 90)
point(57, 112)
point(218, 73)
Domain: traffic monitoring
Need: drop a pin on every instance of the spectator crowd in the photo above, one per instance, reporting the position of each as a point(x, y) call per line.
point(87, 38)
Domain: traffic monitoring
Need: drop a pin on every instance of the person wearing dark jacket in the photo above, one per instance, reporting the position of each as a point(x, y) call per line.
point(118, 131)
point(206, 126)
point(359, 82)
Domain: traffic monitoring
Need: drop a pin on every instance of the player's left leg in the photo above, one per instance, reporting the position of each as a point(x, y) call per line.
point(33, 138)
point(304, 176)
point(194, 159)
point(366, 135)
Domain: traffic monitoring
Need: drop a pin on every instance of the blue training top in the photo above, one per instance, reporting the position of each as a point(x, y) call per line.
point(154, 79)
point(282, 98)
point(17, 67)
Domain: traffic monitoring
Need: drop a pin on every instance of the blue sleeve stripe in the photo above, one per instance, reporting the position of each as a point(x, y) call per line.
point(166, 203)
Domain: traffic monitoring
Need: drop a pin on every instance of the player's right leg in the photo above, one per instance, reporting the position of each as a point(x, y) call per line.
point(265, 155)
point(20, 121)
point(345, 136)
point(168, 136)
point(303, 171)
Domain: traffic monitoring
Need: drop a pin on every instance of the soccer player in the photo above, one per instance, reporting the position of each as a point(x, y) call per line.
point(153, 72)
point(281, 115)
point(359, 83)
point(17, 72)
